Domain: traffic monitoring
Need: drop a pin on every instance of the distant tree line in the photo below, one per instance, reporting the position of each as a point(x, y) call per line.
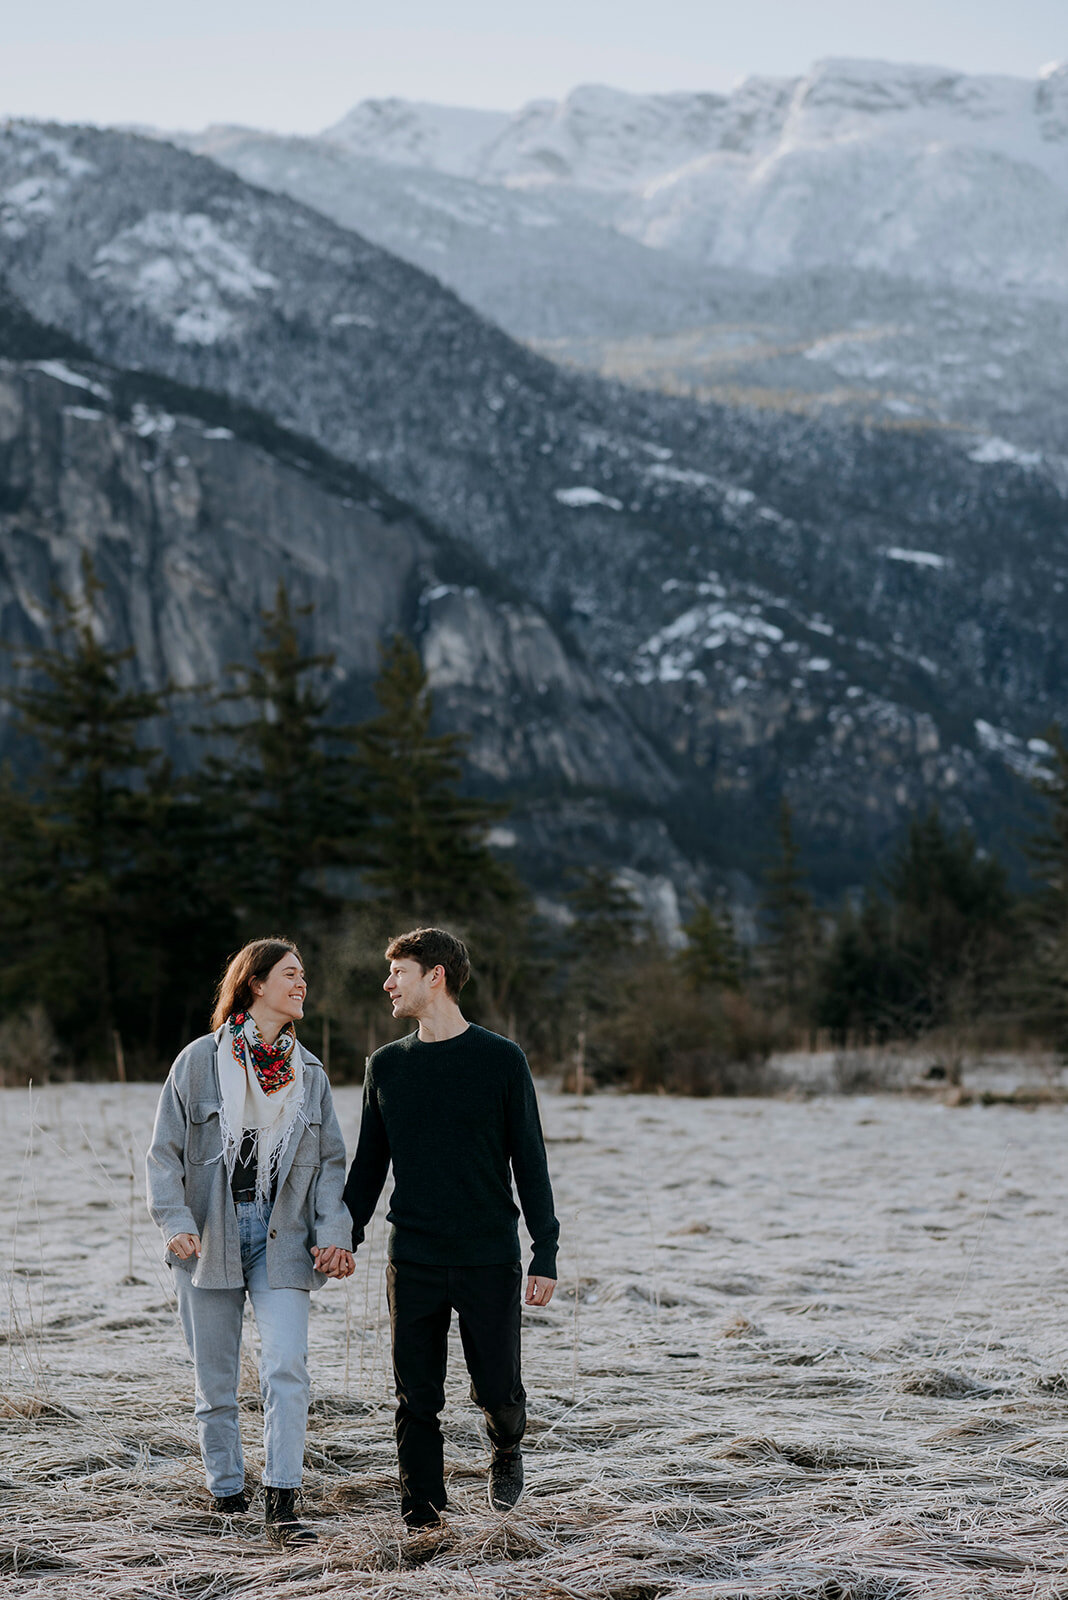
point(124, 886)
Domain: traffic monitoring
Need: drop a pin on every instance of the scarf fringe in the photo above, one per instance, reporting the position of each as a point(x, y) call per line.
point(271, 1143)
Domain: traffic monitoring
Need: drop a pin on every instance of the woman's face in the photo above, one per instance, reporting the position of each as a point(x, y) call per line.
point(283, 990)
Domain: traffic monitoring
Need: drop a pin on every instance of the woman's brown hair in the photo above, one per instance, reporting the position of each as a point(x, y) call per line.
point(254, 961)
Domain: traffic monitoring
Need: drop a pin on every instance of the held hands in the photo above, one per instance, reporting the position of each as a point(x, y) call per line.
point(540, 1291)
point(334, 1261)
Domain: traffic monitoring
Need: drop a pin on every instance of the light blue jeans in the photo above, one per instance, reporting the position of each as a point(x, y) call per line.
point(211, 1320)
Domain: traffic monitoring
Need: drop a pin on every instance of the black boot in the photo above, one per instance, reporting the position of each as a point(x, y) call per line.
point(229, 1505)
point(419, 1518)
point(505, 1479)
point(280, 1521)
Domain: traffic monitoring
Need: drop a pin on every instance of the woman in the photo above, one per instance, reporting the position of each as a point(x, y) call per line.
point(245, 1174)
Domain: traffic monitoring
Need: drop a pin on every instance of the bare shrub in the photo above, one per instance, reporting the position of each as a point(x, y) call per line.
point(29, 1050)
point(666, 1036)
point(867, 1071)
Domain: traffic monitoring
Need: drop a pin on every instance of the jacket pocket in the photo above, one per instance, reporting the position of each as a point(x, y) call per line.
point(307, 1151)
point(203, 1139)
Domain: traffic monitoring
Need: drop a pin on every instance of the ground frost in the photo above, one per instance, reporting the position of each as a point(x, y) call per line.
point(801, 1350)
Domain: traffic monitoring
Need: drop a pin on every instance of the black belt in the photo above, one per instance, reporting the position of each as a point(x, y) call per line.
point(244, 1196)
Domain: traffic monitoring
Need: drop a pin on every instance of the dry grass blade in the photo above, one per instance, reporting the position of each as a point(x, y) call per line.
point(750, 1389)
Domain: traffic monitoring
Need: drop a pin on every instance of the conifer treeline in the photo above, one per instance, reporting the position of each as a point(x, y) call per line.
point(124, 886)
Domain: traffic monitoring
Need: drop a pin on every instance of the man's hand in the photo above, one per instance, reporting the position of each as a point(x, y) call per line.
point(184, 1245)
point(334, 1261)
point(540, 1291)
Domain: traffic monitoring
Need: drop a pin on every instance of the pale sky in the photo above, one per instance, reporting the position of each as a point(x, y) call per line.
point(298, 67)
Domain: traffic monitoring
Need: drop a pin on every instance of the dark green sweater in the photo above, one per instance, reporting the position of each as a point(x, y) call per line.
point(454, 1117)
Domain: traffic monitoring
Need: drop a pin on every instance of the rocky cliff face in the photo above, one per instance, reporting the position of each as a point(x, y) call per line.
point(191, 527)
point(704, 604)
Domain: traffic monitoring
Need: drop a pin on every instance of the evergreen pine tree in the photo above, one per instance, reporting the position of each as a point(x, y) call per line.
point(952, 922)
point(711, 958)
point(1045, 913)
point(791, 928)
point(866, 989)
point(83, 867)
point(285, 794)
point(608, 919)
point(426, 841)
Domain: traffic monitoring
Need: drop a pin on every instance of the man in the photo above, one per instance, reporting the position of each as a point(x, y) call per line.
point(453, 1107)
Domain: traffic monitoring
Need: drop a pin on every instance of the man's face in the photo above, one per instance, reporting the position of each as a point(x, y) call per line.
point(410, 988)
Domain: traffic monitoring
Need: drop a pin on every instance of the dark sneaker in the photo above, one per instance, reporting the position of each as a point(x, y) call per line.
point(229, 1505)
point(280, 1518)
point(505, 1479)
point(419, 1518)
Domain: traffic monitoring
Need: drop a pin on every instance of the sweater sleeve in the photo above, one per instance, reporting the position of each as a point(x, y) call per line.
point(531, 1168)
point(165, 1166)
point(333, 1226)
point(370, 1164)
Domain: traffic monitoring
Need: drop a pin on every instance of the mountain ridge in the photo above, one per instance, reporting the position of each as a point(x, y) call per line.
point(774, 602)
point(866, 236)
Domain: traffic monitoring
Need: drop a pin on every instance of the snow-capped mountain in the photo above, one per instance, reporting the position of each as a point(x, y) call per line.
point(873, 238)
point(867, 614)
point(414, 133)
point(906, 170)
point(602, 138)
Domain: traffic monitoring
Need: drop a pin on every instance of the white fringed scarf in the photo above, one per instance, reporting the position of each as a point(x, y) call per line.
point(248, 1108)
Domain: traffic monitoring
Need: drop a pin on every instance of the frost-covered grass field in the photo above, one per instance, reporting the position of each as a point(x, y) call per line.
point(800, 1348)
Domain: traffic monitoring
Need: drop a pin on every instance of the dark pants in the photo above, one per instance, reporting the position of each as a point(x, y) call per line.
point(421, 1302)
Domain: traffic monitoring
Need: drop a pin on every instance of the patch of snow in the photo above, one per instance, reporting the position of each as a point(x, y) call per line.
point(182, 267)
point(352, 319)
point(582, 495)
point(30, 197)
point(686, 475)
point(820, 627)
point(818, 664)
point(502, 838)
point(1021, 758)
point(146, 421)
point(36, 195)
point(84, 413)
point(439, 591)
point(917, 558)
point(671, 653)
point(995, 451)
point(60, 370)
point(218, 433)
point(37, 142)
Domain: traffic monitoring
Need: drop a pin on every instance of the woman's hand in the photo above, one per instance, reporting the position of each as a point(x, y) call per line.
point(334, 1261)
point(184, 1245)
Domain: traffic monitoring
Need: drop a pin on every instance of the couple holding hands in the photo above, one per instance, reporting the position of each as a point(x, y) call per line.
point(247, 1183)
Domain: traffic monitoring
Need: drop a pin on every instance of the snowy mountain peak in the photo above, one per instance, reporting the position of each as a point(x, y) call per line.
point(610, 140)
point(414, 133)
point(1051, 101)
point(603, 138)
point(841, 99)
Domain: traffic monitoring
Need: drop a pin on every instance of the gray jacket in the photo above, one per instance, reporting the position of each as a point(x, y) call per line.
point(189, 1190)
